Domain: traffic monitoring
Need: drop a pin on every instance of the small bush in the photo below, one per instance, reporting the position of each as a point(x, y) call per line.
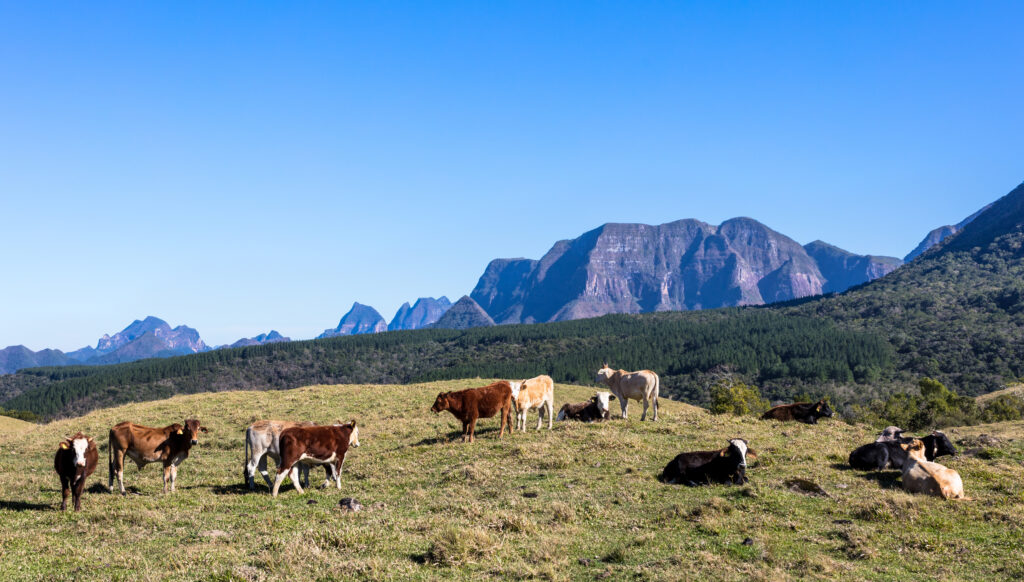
point(730, 396)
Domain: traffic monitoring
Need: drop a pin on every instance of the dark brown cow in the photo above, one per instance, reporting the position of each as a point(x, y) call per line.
point(168, 445)
point(314, 445)
point(475, 403)
point(801, 411)
point(75, 460)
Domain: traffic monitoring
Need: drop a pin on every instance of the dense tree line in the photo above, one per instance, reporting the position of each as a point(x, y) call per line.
point(783, 353)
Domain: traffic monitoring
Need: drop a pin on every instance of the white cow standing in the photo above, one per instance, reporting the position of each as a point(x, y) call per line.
point(262, 440)
point(536, 393)
point(643, 385)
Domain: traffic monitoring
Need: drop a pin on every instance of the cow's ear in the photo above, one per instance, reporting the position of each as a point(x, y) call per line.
point(751, 452)
point(353, 423)
point(64, 444)
point(611, 397)
point(203, 429)
point(723, 453)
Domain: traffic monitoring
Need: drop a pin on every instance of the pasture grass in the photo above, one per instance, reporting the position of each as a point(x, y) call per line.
point(579, 502)
point(12, 426)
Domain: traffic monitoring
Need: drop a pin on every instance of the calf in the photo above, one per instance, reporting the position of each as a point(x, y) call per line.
point(168, 445)
point(262, 441)
point(727, 465)
point(922, 476)
point(536, 393)
point(888, 454)
point(800, 411)
point(75, 460)
point(474, 403)
point(590, 411)
point(315, 445)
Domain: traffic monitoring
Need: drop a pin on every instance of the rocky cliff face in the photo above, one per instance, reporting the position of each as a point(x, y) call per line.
point(682, 265)
point(424, 312)
point(360, 319)
point(182, 339)
point(465, 314)
point(843, 269)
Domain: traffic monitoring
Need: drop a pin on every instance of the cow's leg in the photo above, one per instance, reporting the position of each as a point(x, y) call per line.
point(337, 473)
point(167, 476)
point(65, 488)
point(77, 493)
point(623, 405)
point(472, 428)
point(282, 472)
point(304, 474)
point(174, 476)
point(118, 470)
point(643, 416)
point(504, 422)
point(294, 474)
point(540, 415)
point(551, 412)
point(256, 464)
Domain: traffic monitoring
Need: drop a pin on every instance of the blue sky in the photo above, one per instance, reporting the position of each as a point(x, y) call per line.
point(255, 166)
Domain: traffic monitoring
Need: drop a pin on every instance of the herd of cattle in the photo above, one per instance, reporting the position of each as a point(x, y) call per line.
point(295, 446)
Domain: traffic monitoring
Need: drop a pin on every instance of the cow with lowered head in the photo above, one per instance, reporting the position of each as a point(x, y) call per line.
point(75, 460)
point(728, 465)
point(800, 411)
point(168, 446)
point(474, 403)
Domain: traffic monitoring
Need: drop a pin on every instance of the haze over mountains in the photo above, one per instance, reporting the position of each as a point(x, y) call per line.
point(615, 268)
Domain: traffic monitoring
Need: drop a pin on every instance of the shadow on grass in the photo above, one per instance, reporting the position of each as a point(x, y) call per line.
point(842, 467)
point(97, 488)
point(885, 479)
point(456, 437)
point(233, 489)
point(23, 506)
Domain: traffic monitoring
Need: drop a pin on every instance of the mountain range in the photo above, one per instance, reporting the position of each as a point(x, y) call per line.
point(616, 268)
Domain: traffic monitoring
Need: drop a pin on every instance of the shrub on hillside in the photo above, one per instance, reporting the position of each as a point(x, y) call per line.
point(735, 397)
point(936, 407)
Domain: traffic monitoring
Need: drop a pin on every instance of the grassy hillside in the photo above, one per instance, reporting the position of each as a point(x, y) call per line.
point(579, 502)
point(1015, 390)
point(12, 426)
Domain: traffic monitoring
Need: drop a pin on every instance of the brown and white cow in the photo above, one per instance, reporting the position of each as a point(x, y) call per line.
point(75, 460)
point(536, 393)
point(262, 441)
point(643, 385)
point(593, 410)
point(474, 403)
point(315, 445)
point(168, 445)
point(922, 476)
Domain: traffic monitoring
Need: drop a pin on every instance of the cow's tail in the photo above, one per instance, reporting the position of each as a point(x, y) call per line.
point(248, 453)
point(110, 464)
point(657, 391)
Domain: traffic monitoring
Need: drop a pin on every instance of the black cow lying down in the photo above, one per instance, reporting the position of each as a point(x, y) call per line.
point(726, 465)
point(887, 454)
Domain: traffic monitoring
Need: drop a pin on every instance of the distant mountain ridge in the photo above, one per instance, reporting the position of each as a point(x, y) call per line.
point(465, 314)
point(940, 234)
point(424, 312)
point(679, 266)
point(264, 338)
point(359, 319)
point(151, 337)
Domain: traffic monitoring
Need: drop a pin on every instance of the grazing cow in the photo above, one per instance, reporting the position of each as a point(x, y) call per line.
point(590, 411)
point(315, 445)
point(801, 411)
point(168, 445)
point(75, 460)
point(536, 393)
point(474, 403)
point(728, 465)
point(261, 441)
point(922, 476)
point(643, 385)
point(888, 454)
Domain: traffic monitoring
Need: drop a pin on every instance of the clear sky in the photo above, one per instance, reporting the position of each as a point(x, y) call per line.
point(255, 166)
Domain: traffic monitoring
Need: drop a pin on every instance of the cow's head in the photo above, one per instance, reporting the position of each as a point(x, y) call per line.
point(516, 387)
point(441, 403)
point(941, 445)
point(823, 409)
point(353, 437)
point(915, 449)
point(191, 430)
point(604, 374)
point(602, 399)
point(739, 448)
point(891, 434)
point(78, 444)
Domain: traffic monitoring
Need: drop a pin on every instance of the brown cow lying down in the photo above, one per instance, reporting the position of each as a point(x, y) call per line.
point(474, 403)
point(595, 409)
point(314, 445)
point(921, 476)
point(801, 411)
point(75, 460)
point(728, 465)
point(168, 445)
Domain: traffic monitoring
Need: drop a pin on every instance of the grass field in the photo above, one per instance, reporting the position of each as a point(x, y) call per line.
point(10, 427)
point(578, 502)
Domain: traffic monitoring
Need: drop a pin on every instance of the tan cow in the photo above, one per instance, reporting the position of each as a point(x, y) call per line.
point(168, 445)
point(643, 385)
point(536, 393)
point(921, 476)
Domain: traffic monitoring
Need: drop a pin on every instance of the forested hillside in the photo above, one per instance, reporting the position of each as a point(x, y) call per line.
point(783, 354)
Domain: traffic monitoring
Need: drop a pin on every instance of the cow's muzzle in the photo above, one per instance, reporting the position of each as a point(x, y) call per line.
point(195, 441)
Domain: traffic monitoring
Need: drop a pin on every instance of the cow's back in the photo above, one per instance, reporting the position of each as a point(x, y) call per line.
point(535, 391)
point(313, 441)
point(781, 412)
point(491, 399)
